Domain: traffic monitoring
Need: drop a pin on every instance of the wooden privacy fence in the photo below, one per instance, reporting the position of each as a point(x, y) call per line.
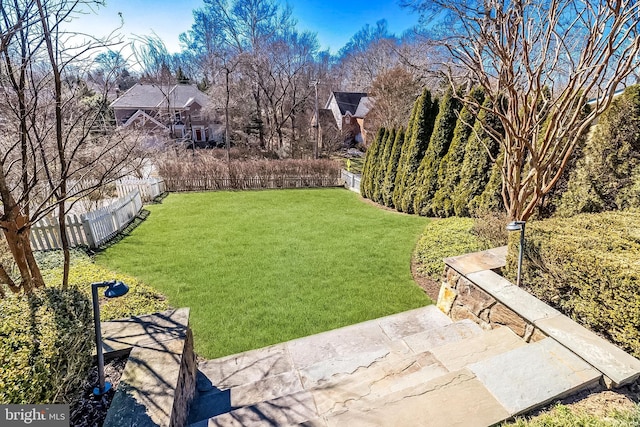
point(91, 229)
point(251, 183)
point(149, 188)
point(351, 180)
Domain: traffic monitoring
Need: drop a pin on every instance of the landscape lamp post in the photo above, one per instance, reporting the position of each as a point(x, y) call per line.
point(114, 290)
point(518, 226)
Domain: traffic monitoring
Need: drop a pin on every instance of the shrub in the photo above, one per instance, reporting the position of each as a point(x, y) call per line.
point(388, 186)
point(427, 177)
point(451, 163)
point(594, 280)
point(445, 238)
point(202, 166)
point(490, 226)
point(45, 346)
point(607, 177)
point(141, 298)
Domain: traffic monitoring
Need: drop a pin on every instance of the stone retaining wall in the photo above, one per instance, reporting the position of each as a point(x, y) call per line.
point(186, 387)
point(460, 298)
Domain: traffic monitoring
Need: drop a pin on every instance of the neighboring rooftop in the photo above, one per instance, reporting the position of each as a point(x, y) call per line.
point(348, 101)
point(152, 96)
point(366, 103)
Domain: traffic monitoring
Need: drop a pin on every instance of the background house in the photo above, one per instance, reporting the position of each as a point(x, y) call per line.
point(179, 111)
point(349, 110)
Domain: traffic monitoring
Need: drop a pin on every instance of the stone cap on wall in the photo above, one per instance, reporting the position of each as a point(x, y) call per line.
point(618, 367)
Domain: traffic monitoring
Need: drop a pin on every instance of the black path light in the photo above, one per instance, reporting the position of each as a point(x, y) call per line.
point(518, 226)
point(114, 290)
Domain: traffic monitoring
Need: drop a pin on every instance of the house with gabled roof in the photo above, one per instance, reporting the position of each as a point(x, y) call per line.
point(349, 110)
point(180, 111)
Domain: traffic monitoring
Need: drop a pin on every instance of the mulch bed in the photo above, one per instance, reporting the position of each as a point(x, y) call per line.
point(90, 410)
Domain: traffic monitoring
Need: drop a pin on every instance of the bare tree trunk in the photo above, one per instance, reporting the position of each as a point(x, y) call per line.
point(61, 194)
point(256, 95)
point(227, 136)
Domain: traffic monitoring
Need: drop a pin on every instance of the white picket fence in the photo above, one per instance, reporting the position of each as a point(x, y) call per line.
point(351, 180)
point(91, 229)
point(149, 188)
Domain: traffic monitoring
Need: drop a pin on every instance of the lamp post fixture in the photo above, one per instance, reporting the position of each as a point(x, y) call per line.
point(114, 290)
point(518, 226)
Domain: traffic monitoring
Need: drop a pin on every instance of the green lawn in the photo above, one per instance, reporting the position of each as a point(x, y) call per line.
point(261, 267)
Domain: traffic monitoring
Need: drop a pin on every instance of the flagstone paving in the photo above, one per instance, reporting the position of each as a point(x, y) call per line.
point(376, 373)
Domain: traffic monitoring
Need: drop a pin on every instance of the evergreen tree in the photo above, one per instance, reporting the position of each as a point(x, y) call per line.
point(400, 169)
point(607, 176)
point(476, 167)
point(366, 181)
point(381, 167)
point(413, 152)
point(392, 167)
point(491, 198)
point(427, 177)
point(451, 163)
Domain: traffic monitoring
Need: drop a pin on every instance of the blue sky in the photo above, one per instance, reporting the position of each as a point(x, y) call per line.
point(334, 21)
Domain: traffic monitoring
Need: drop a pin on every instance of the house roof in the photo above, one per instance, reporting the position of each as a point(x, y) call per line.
point(347, 101)
point(366, 103)
point(152, 96)
point(327, 120)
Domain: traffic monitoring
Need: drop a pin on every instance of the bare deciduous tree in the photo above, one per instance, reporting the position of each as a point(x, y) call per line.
point(52, 138)
point(540, 63)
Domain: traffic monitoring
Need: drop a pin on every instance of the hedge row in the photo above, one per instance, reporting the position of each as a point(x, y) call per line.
point(441, 166)
point(594, 280)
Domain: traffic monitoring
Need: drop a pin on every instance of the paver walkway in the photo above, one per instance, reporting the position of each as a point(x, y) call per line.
point(410, 369)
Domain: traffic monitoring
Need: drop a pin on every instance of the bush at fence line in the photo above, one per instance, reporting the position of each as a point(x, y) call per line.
point(205, 166)
point(46, 342)
point(594, 280)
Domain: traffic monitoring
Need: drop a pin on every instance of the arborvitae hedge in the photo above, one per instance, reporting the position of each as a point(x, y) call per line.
point(491, 198)
point(593, 280)
point(451, 163)
point(427, 178)
point(607, 176)
point(398, 186)
point(366, 182)
point(392, 166)
point(381, 165)
point(476, 167)
point(413, 152)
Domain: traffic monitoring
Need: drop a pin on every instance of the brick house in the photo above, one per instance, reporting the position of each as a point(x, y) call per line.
point(349, 110)
point(179, 111)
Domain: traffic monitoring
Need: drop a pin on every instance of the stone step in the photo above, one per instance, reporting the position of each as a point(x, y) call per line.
point(292, 409)
point(255, 376)
point(457, 355)
point(333, 369)
point(396, 374)
point(482, 393)
point(454, 399)
point(533, 375)
point(371, 339)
